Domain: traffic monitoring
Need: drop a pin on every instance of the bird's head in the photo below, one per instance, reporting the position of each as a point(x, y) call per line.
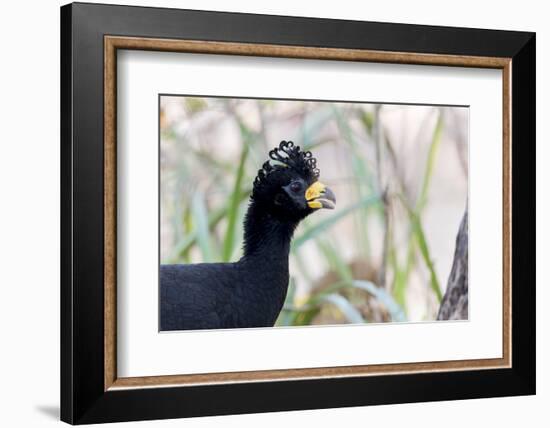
point(288, 185)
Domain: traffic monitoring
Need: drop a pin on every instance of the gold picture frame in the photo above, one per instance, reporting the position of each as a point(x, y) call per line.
point(114, 43)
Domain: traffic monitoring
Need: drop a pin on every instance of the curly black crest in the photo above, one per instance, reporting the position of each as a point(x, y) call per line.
point(290, 156)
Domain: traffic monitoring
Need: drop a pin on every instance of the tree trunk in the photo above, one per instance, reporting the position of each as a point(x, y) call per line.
point(454, 305)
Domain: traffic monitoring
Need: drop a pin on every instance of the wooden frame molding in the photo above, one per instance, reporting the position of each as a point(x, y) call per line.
point(113, 43)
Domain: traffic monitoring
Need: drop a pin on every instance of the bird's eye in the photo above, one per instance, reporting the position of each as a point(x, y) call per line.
point(296, 186)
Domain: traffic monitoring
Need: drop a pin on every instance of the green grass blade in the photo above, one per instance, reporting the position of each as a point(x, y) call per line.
point(306, 316)
point(335, 261)
point(303, 267)
point(425, 252)
point(300, 315)
point(328, 222)
point(358, 163)
point(312, 123)
point(395, 310)
point(420, 238)
point(347, 309)
point(417, 237)
point(401, 274)
point(286, 317)
point(233, 211)
point(188, 228)
point(200, 217)
point(367, 119)
point(364, 179)
point(430, 163)
point(182, 248)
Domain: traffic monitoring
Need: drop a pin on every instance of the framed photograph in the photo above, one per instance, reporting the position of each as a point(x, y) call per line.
point(265, 213)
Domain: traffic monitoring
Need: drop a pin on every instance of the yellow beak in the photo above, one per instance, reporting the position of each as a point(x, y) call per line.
point(320, 196)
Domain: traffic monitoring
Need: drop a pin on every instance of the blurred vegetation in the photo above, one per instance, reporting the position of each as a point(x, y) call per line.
point(355, 264)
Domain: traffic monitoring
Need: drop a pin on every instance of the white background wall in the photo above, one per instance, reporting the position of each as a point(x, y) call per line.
point(29, 213)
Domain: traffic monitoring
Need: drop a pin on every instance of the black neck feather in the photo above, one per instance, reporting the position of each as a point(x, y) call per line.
point(265, 235)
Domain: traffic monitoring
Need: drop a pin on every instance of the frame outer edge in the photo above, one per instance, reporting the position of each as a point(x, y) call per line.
point(524, 218)
point(81, 398)
point(66, 218)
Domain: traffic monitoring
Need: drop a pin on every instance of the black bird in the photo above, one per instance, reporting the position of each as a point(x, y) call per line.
point(251, 291)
